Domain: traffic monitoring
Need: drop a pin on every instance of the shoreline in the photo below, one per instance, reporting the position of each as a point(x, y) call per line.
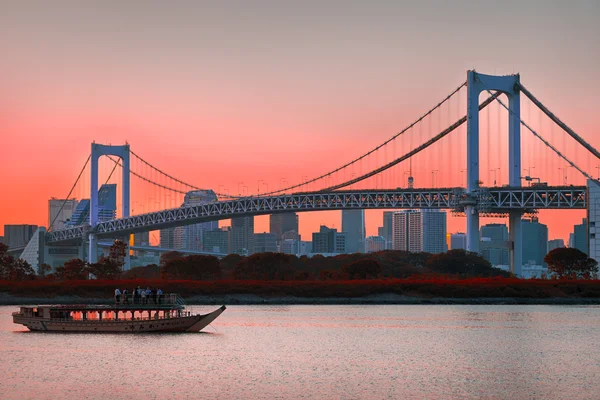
point(377, 299)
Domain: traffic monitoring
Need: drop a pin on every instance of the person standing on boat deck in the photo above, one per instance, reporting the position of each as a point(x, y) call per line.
point(158, 295)
point(148, 294)
point(136, 295)
point(117, 296)
point(125, 296)
point(143, 295)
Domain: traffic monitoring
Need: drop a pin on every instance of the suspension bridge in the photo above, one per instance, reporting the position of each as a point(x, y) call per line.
point(483, 159)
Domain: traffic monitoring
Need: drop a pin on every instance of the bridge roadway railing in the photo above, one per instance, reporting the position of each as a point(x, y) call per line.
point(490, 199)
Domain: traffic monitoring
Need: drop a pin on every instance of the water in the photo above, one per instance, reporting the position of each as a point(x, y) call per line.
point(320, 352)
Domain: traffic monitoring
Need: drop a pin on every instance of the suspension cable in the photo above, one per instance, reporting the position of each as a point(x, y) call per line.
point(414, 151)
point(438, 105)
point(117, 162)
point(164, 173)
point(547, 143)
point(558, 121)
point(70, 192)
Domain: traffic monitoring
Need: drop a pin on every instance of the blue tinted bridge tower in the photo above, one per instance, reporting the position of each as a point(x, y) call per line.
point(508, 85)
point(122, 152)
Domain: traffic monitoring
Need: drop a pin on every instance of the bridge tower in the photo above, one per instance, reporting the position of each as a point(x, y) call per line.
point(476, 83)
point(122, 152)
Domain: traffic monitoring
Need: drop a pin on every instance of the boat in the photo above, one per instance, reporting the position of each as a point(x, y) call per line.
point(164, 313)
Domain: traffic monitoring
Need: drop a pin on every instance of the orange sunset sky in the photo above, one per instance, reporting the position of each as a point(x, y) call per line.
point(220, 93)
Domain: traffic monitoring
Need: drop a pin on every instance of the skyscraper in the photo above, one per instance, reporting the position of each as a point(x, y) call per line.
point(417, 231)
point(107, 207)
point(192, 236)
point(18, 235)
point(217, 241)
point(141, 239)
point(535, 241)
point(353, 225)
point(242, 235)
point(555, 244)
point(386, 230)
point(282, 223)
point(328, 241)
point(580, 236)
point(494, 243)
point(458, 240)
point(594, 216)
point(167, 238)
point(374, 244)
point(265, 243)
point(59, 212)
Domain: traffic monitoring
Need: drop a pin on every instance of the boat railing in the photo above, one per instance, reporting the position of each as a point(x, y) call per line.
point(152, 299)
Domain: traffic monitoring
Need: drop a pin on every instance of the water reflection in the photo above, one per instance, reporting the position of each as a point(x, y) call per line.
point(348, 352)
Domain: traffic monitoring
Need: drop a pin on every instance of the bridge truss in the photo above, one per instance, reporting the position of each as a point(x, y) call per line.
point(486, 200)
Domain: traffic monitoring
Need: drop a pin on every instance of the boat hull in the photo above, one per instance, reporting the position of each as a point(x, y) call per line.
point(192, 323)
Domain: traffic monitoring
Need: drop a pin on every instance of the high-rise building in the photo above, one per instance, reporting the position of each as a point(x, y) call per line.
point(419, 231)
point(167, 238)
point(282, 223)
point(2, 239)
point(594, 216)
point(192, 236)
point(328, 241)
point(580, 236)
point(353, 225)
point(458, 240)
point(242, 235)
point(141, 239)
point(535, 241)
point(555, 244)
point(374, 243)
point(217, 241)
point(18, 235)
point(107, 207)
point(289, 246)
point(494, 244)
point(386, 231)
point(265, 243)
point(59, 212)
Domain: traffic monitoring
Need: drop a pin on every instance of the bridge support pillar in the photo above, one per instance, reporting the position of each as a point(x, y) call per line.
point(477, 83)
point(93, 253)
point(515, 235)
point(472, 229)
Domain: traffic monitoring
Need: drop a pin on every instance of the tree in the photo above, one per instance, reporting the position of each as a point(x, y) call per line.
point(569, 262)
point(74, 269)
point(44, 269)
point(361, 269)
point(118, 252)
point(168, 256)
point(464, 263)
point(266, 266)
point(105, 268)
point(193, 267)
point(14, 269)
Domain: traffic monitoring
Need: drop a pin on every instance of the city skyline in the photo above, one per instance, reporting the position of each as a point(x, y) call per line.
point(198, 95)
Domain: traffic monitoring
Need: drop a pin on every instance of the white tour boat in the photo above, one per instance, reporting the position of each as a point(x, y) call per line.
point(165, 313)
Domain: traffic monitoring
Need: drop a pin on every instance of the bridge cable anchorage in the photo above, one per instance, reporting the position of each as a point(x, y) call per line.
point(547, 144)
point(70, 192)
point(438, 105)
point(411, 153)
point(174, 179)
point(558, 121)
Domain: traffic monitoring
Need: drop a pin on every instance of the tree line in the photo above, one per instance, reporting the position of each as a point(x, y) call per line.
point(563, 263)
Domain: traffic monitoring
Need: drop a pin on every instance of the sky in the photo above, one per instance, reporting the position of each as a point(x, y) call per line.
point(220, 93)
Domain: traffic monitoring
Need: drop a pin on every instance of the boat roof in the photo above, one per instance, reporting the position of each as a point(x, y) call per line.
point(108, 307)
